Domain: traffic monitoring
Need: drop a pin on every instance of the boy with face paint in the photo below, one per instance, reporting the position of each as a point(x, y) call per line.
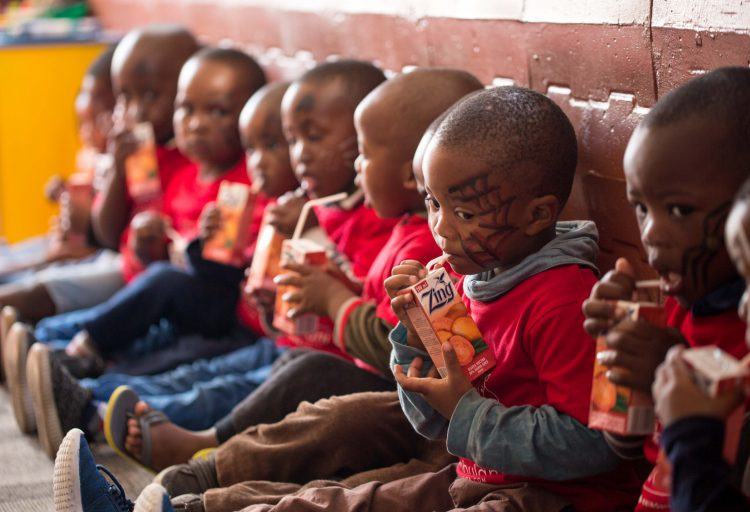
point(683, 165)
point(144, 70)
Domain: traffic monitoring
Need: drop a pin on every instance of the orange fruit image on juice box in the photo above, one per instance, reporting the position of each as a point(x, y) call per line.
point(266, 260)
point(142, 167)
point(619, 409)
point(439, 315)
point(306, 252)
point(235, 202)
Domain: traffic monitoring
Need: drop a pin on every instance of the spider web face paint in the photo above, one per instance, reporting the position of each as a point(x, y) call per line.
point(483, 244)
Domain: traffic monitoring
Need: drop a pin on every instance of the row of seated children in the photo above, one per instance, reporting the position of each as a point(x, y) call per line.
point(522, 431)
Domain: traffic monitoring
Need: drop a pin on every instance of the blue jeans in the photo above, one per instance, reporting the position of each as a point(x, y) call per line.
point(190, 303)
point(197, 395)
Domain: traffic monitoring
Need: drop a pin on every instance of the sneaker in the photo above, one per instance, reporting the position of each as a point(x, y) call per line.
point(154, 498)
point(59, 400)
point(8, 316)
point(17, 344)
point(196, 476)
point(79, 485)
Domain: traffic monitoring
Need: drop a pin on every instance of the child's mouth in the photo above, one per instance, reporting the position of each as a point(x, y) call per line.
point(308, 184)
point(671, 283)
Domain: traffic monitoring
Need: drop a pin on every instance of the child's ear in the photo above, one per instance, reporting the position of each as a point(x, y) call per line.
point(407, 176)
point(543, 212)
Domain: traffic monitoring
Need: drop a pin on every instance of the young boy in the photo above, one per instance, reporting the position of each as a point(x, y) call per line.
point(145, 67)
point(213, 87)
point(681, 216)
point(693, 422)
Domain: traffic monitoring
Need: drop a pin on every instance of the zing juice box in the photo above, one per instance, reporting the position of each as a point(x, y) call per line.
point(141, 167)
point(715, 371)
point(235, 202)
point(306, 252)
point(438, 315)
point(266, 260)
point(619, 409)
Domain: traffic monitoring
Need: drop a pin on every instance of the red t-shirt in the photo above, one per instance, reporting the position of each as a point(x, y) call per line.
point(359, 234)
point(183, 200)
point(410, 239)
point(725, 330)
point(544, 357)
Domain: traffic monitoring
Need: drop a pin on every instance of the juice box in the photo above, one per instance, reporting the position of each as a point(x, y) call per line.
point(266, 260)
point(235, 202)
point(438, 315)
point(619, 409)
point(715, 371)
point(141, 167)
point(306, 252)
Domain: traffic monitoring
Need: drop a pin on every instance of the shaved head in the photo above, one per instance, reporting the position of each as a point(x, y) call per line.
point(402, 108)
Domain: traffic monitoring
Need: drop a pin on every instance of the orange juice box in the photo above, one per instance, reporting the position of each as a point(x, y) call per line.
point(619, 409)
point(235, 202)
point(306, 252)
point(266, 260)
point(439, 315)
point(141, 167)
point(80, 193)
point(715, 371)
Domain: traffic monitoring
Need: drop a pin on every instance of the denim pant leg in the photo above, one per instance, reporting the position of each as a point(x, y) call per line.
point(183, 378)
point(191, 303)
point(60, 329)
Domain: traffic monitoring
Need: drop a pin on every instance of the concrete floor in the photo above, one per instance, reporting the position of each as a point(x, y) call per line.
point(26, 472)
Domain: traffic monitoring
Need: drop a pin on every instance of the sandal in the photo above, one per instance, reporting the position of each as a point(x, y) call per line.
point(120, 408)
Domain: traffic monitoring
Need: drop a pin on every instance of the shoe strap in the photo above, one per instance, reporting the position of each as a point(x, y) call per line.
point(116, 490)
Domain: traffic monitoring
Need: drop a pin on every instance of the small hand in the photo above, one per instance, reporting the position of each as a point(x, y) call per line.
point(315, 290)
point(148, 239)
point(121, 145)
point(284, 214)
point(676, 395)
point(404, 275)
point(635, 350)
point(442, 394)
point(210, 221)
point(617, 284)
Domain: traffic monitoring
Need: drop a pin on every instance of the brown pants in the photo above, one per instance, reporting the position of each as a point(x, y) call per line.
point(361, 438)
point(436, 491)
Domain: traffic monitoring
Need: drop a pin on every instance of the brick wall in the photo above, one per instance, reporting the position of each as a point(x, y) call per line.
point(605, 62)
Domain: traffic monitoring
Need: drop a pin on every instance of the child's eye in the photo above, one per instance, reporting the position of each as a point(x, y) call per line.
point(640, 209)
point(149, 95)
point(218, 112)
point(680, 211)
point(431, 202)
point(464, 215)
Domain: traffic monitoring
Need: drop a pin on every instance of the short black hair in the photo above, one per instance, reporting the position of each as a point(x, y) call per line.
point(248, 67)
point(722, 96)
point(358, 77)
point(100, 67)
point(509, 126)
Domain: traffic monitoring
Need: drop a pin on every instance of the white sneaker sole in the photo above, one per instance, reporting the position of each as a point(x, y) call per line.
point(8, 316)
point(39, 380)
point(151, 499)
point(66, 483)
point(14, 359)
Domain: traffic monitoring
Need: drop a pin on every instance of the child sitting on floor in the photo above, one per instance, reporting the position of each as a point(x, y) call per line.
point(683, 165)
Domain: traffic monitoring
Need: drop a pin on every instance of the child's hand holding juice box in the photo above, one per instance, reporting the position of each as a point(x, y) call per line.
point(438, 315)
point(235, 205)
point(142, 167)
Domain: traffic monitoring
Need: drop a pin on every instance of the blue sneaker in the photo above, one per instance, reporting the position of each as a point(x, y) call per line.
point(79, 485)
point(154, 498)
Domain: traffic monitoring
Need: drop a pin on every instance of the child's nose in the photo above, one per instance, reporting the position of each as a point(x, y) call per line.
point(442, 226)
point(652, 233)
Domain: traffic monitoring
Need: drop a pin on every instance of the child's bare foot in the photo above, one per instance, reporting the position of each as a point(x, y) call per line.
point(170, 444)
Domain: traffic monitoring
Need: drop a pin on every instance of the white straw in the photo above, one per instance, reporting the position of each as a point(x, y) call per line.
point(306, 210)
point(651, 283)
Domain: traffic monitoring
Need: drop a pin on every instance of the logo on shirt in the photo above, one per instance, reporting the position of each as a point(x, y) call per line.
point(439, 294)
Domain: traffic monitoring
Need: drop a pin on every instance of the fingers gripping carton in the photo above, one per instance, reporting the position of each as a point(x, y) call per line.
point(142, 167)
point(266, 260)
point(235, 202)
point(439, 315)
point(619, 409)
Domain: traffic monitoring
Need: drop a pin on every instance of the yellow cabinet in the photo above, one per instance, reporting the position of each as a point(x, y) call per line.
point(38, 85)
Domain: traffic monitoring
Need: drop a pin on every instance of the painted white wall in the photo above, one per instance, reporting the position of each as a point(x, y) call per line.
point(692, 14)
